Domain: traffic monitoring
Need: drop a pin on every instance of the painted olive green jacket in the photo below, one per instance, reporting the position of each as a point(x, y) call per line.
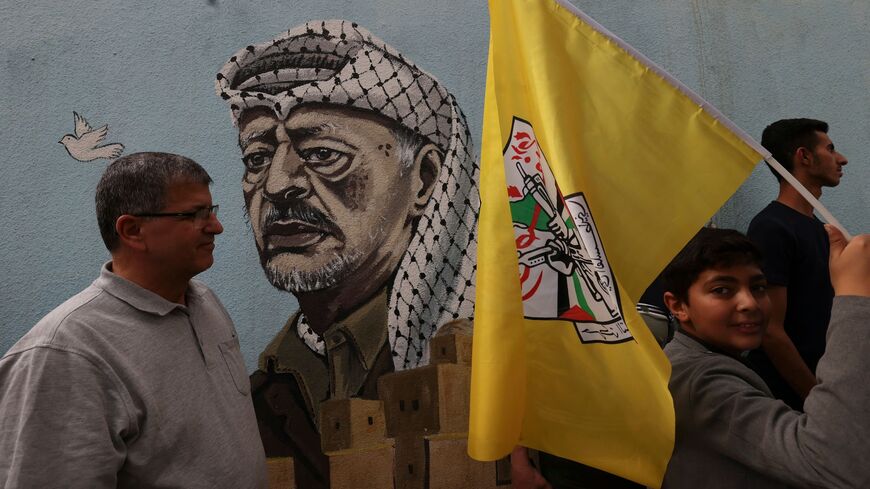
point(292, 381)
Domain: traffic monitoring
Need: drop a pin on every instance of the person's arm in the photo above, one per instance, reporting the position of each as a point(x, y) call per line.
point(780, 349)
point(523, 474)
point(62, 420)
point(779, 246)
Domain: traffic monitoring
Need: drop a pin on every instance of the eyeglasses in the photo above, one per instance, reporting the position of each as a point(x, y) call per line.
point(198, 216)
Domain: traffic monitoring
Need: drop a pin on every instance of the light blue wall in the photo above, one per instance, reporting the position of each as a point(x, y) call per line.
point(148, 71)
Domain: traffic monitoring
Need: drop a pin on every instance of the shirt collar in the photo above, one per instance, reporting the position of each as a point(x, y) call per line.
point(696, 344)
point(365, 328)
point(137, 296)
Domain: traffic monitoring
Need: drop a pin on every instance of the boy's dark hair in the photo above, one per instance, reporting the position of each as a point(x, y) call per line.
point(784, 137)
point(710, 248)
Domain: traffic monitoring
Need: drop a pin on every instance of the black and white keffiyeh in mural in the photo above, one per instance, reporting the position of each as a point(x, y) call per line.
point(337, 62)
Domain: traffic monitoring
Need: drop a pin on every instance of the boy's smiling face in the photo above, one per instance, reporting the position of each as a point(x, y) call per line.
point(726, 308)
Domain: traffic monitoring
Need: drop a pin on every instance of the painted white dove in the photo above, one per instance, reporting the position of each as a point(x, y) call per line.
point(83, 144)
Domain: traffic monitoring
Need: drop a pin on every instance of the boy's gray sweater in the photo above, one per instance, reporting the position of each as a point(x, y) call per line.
point(731, 432)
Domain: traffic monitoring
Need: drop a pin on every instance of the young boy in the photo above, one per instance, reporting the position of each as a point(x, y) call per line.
point(730, 430)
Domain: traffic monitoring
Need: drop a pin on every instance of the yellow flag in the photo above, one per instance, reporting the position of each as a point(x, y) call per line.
point(597, 167)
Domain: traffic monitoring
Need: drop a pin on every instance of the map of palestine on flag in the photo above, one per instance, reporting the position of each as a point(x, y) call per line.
point(597, 167)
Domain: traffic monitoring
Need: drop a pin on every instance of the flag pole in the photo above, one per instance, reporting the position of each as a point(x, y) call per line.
point(714, 112)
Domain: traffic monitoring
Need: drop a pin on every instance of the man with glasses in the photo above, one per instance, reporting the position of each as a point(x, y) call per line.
point(138, 380)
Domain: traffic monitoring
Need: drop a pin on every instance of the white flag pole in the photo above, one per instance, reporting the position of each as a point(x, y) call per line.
point(714, 112)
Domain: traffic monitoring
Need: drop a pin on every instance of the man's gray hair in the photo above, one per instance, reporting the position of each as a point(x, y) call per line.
point(137, 184)
point(408, 144)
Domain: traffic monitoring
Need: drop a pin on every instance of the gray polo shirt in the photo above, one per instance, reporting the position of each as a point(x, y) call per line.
point(118, 387)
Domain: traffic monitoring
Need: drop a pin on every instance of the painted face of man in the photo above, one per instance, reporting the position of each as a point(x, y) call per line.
point(327, 195)
point(726, 308)
point(827, 163)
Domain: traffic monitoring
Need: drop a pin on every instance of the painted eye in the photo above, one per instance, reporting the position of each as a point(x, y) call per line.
point(326, 161)
point(257, 160)
point(320, 156)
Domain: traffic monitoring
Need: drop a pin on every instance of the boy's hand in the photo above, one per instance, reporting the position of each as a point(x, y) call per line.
point(849, 263)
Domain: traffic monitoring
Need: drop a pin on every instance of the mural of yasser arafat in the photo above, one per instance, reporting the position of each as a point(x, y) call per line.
point(361, 190)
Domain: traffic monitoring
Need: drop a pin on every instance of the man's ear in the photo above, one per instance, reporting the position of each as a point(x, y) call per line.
point(678, 307)
point(129, 229)
point(427, 166)
point(802, 156)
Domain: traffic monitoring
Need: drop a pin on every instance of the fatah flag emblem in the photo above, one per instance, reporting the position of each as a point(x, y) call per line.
point(564, 273)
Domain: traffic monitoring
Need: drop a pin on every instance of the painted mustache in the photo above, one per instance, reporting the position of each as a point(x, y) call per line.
point(296, 226)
